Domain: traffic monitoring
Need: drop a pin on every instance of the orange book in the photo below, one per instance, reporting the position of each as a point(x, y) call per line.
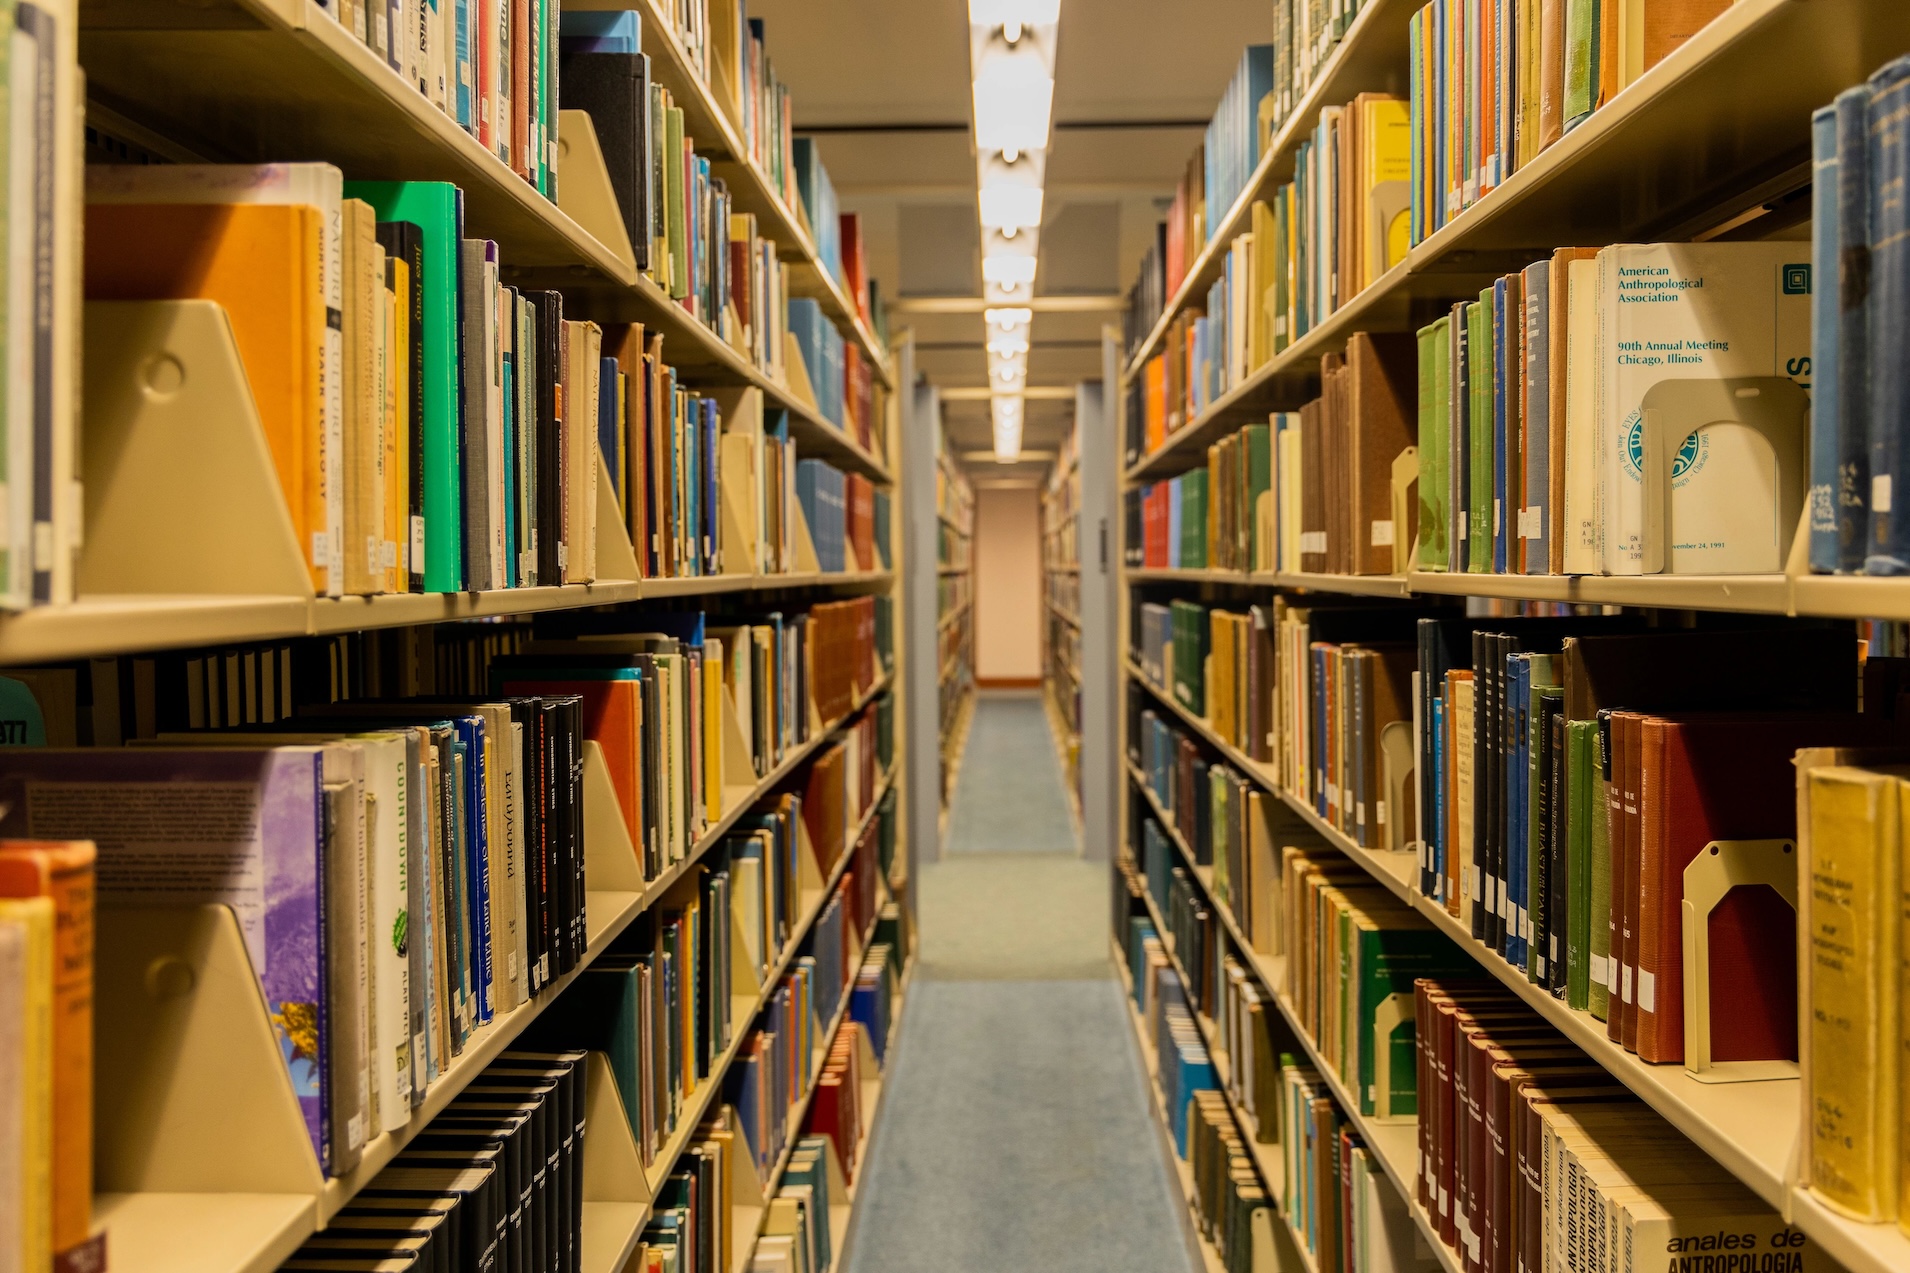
point(261, 262)
point(1155, 398)
point(613, 719)
point(63, 871)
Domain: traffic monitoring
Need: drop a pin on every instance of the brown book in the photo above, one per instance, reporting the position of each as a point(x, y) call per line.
point(1777, 669)
point(1312, 488)
point(62, 870)
point(1557, 295)
point(1531, 1102)
point(1504, 1065)
point(824, 810)
point(1669, 23)
point(1260, 683)
point(1551, 71)
point(1383, 420)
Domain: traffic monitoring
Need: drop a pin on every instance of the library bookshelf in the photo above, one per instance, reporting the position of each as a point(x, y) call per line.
point(1682, 152)
point(189, 546)
point(1061, 608)
point(955, 611)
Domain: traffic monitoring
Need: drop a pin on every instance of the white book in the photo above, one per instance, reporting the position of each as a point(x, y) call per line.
point(1702, 425)
point(1583, 546)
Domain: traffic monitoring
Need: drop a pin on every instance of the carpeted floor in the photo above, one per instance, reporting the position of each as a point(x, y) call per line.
point(1015, 1133)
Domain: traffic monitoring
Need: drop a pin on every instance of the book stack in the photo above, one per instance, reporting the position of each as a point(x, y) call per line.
point(1229, 1197)
point(796, 1236)
point(835, 1111)
point(424, 443)
point(1488, 98)
point(403, 804)
point(691, 1228)
point(495, 1181)
point(1575, 774)
point(1857, 442)
point(1527, 1149)
point(872, 998)
point(1639, 409)
point(47, 891)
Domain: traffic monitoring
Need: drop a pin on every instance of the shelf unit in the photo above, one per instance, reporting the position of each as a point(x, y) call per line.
point(955, 609)
point(171, 74)
point(1061, 598)
point(1684, 151)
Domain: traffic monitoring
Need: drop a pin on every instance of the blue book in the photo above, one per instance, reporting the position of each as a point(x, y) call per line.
point(1858, 340)
point(1888, 155)
point(1535, 492)
point(1505, 452)
point(599, 31)
point(1173, 524)
point(712, 483)
point(808, 476)
point(1826, 301)
point(610, 439)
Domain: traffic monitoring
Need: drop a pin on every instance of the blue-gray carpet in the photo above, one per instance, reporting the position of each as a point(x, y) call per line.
point(1008, 795)
point(1014, 1133)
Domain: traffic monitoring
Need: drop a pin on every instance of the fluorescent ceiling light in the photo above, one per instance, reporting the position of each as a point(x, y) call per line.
point(1030, 13)
point(1009, 207)
point(1007, 412)
point(1009, 271)
point(1014, 99)
point(1008, 346)
point(1008, 317)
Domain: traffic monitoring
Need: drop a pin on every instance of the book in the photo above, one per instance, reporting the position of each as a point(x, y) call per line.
point(27, 1061)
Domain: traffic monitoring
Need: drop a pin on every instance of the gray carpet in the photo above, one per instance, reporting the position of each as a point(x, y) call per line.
point(1008, 795)
point(1015, 1132)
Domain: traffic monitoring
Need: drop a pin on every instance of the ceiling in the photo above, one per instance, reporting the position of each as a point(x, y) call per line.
point(883, 85)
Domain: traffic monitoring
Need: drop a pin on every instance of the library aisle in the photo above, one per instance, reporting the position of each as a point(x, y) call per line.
point(1017, 1130)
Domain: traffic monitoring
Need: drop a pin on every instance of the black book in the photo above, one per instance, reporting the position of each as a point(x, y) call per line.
point(614, 90)
point(1554, 858)
point(471, 1189)
point(448, 1137)
point(548, 446)
point(432, 1215)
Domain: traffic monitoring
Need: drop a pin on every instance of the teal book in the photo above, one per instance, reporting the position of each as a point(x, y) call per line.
point(1480, 422)
point(437, 209)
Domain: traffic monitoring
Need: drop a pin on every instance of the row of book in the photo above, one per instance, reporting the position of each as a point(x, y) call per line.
point(492, 66)
point(1489, 96)
point(1317, 490)
point(496, 1181)
point(1637, 409)
point(1261, 97)
point(1285, 274)
point(692, 1226)
point(1529, 1152)
point(1858, 273)
point(443, 434)
point(1348, 1215)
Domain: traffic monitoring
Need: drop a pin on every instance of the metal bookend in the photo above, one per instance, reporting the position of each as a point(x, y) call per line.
point(1721, 866)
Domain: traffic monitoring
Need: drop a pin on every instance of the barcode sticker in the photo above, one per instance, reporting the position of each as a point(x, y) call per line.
point(417, 543)
point(1532, 522)
point(1880, 493)
point(1647, 984)
point(1624, 982)
point(1383, 533)
point(1598, 969)
point(1313, 541)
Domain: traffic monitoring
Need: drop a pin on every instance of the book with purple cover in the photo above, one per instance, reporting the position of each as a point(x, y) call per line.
point(178, 827)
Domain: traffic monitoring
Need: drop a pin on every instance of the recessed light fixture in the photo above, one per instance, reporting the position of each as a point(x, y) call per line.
point(1014, 100)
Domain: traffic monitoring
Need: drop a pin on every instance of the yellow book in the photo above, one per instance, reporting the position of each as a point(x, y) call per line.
point(1220, 695)
point(26, 1068)
point(1386, 143)
point(1850, 963)
point(1260, 318)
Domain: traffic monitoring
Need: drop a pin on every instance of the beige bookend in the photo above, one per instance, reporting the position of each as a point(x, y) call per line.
point(746, 979)
point(797, 374)
point(182, 496)
point(808, 869)
point(616, 1193)
point(746, 1184)
point(1393, 1012)
point(1722, 866)
point(736, 757)
point(584, 192)
point(199, 1141)
point(611, 861)
point(741, 410)
point(1405, 477)
point(840, 1197)
point(616, 559)
point(1397, 760)
point(802, 555)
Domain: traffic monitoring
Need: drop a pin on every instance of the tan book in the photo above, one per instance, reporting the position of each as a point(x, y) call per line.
point(1551, 73)
point(1383, 421)
point(26, 1074)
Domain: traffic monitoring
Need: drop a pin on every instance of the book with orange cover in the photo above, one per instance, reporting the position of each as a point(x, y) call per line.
point(824, 806)
point(613, 719)
point(62, 871)
point(263, 264)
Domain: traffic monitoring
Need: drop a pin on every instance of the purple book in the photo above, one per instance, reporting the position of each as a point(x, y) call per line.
point(235, 827)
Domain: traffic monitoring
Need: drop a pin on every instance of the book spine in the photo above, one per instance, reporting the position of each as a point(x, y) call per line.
point(1888, 297)
point(1826, 367)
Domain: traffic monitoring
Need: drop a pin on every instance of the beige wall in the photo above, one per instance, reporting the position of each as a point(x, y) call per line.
point(1007, 584)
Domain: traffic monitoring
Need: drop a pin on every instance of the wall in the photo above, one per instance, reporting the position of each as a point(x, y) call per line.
point(1007, 584)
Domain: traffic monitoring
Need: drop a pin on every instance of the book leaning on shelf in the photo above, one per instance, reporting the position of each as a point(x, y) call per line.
point(442, 436)
point(1639, 409)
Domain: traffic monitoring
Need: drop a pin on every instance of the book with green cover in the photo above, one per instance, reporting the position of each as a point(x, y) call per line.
point(437, 209)
point(1193, 520)
point(1581, 741)
point(1282, 250)
point(1598, 890)
point(674, 206)
point(1433, 423)
point(1581, 60)
point(1479, 420)
point(1259, 480)
point(1390, 950)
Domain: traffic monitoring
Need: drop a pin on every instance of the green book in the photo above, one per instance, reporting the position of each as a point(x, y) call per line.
point(1479, 440)
point(1388, 950)
point(1598, 888)
point(1581, 60)
point(1188, 624)
point(1217, 818)
point(1193, 520)
point(1282, 249)
point(674, 206)
point(1581, 741)
point(1258, 481)
point(437, 209)
point(1433, 359)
